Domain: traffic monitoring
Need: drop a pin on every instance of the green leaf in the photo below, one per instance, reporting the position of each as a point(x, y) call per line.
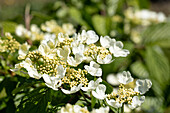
point(109, 88)
point(76, 15)
point(153, 104)
point(35, 101)
point(157, 35)
point(8, 26)
point(139, 69)
point(158, 66)
point(101, 24)
point(93, 101)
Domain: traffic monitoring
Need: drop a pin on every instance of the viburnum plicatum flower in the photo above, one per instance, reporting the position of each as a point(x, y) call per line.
point(94, 69)
point(72, 90)
point(92, 85)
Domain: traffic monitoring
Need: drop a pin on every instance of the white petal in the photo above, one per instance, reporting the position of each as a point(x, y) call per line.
point(61, 71)
point(142, 86)
point(47, 78)
point(136, 102)
point(105, 41)
point(113, 103)
point(74, 89)
point(112, 79)
point(91, 37)
point(106, 60)
point(100, 92)
point(125, 77)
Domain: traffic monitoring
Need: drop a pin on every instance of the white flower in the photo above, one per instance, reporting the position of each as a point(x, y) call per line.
point(52, 82)
point(125, 77)
point(46, 51)
point(94, 69)
point(27, 64)
point(61, 71)
point(113, 103)
point(117, 50)
point(75, 61)
point(73, 109)
point(112, 79)
point(136, 102)
point(90, 37)
point(68, 28)
point(23, 50)
point(74, 89)
point(49, 39)
point(78, 49)
point(142, 86)
point(20, 30)
point(101, 110)
point(106, 41)
point(92, 85)
point(64, 53)
point(100, 92)
point(106, 60)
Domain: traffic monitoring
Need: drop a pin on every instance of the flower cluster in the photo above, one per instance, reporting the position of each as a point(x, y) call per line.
point(144, 17)
point(35, 33)
point(70, 62)
point(56, 58)
point(78, 109)
point(132, 97)
point(9, 44)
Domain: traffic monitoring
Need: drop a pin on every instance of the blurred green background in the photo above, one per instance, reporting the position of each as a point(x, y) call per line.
point(149, 45)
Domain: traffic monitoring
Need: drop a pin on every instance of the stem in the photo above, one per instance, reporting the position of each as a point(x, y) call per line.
point(83, 95)
point(28, 17)
point(122, 109)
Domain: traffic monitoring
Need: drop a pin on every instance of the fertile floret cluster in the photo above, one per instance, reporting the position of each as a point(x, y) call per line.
point(9, 44)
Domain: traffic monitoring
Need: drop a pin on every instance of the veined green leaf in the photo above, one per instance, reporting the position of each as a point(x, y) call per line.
point(158, 66)
point(139, 69)
point(77, 16)
point(8, 26)
point(101, 24)
point(157, 35)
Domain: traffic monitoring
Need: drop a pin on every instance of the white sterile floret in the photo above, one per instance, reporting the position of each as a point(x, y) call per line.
point(92, 85)
point(117, 50)
point(125, 77)
point(27, 64)
point(142, 86)
point(74, 89)
point(106, 60)
point(99, 93)
point(113, 103)
point(106, 41)
point(49, 39)
point(52, 82)
point(46, 51)
point(68, 28)
point(20, 30)
point(112, 79)
point(75, 61)
point(34, 28)
point(78, 49)
point(23, 50)
point(136, 102)
point(64, 53)
point(90, 36)
point(101, 110)
point(60, 71)
point(94, 69)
